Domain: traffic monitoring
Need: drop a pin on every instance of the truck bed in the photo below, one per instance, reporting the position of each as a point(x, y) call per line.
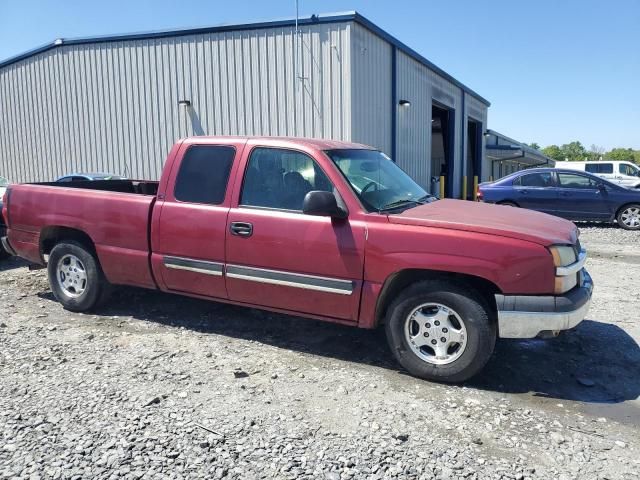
point(138, 187)
point(115, 214)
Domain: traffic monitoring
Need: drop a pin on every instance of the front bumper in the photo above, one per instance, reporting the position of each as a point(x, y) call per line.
point(6, 245)
point(524, 316)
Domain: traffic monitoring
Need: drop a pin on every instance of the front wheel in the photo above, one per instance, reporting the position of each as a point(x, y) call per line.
point(75, 277)
point(629, 217)
point(440, 331)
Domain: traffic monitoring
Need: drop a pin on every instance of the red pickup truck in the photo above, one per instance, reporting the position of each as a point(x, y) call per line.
point(323, 229)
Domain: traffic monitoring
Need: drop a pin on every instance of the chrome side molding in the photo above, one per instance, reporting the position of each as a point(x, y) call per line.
point(295, 280)
point(190, 265)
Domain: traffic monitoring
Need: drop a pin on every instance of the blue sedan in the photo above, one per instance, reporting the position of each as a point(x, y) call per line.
point(573, 195)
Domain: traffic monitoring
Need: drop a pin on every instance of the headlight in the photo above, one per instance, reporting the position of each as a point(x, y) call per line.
point(563, 255)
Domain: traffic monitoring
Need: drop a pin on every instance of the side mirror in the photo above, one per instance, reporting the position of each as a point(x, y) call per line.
point(323, 204)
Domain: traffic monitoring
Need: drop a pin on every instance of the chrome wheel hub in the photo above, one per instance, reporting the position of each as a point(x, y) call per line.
point(631, 217)
point(72, 276)
point(436, 333)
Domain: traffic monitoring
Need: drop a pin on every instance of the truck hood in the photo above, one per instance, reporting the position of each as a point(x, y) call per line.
point(490, 219)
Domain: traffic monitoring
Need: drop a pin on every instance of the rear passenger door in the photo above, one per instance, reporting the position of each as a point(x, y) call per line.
point(281, 258)
point(189, 240)
point(536, 191)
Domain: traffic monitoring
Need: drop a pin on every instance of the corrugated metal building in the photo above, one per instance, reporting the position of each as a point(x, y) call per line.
point(117, 103)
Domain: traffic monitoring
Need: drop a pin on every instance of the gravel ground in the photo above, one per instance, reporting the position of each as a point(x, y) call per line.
point(159, 386)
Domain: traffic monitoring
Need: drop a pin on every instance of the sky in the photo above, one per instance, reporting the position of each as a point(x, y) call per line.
point(554, 71)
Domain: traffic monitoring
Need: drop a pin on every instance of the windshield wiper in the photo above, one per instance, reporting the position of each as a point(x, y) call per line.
point(399, 204)
point(428, 198)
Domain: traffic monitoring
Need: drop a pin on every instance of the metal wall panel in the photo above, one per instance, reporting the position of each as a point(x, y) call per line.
point(113, 106)
point(371, 80)
point(422, 86)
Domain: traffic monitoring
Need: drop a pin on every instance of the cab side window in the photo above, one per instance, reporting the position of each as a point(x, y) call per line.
point(204, 174)
point(280, 179)
point(628, 170)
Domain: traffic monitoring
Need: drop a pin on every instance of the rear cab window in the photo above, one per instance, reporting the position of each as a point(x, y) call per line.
point(204, 174)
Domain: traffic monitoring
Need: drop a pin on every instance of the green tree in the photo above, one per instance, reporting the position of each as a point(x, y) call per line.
point(573, 151)
point(554, 152)
point(621, 154)
point(534, 145)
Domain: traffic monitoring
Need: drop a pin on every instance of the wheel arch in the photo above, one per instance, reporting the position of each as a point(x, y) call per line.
point(508, 202)
point(53, 235)
point(621, 208)
point(625, 205)
point(400, 280)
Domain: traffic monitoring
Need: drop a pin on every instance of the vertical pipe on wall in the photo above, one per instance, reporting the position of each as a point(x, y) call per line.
point(394, 105)
point(463, 137)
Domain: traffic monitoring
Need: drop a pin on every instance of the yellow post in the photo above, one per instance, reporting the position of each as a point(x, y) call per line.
point(464, 188)
point(475, 188)
point(491, 178)
point(441, 186)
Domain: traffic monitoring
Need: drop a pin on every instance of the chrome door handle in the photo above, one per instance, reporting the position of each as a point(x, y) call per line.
point(241, 229)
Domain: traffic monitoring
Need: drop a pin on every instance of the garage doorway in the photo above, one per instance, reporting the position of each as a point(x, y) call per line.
point(474, 154)
point(442, 122)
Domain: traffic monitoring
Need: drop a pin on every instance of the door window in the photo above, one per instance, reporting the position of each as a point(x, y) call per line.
point(601, 168)
point(626, 169)
point(280, 179)
point(204, 174)
point(539, 180)
point(569, 180)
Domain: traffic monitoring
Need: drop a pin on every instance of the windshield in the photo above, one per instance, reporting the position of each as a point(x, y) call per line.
point(379, 183)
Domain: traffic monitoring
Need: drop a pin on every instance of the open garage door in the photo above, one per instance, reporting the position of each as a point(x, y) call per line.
point(442, 131)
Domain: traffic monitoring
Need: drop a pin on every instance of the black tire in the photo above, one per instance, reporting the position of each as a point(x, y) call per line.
point(3, 253)
point(622, 211)
point(481, 330)
point(96, 288)
point(508, 204)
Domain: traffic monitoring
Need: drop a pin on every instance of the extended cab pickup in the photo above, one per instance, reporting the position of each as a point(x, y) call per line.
point(323, 229)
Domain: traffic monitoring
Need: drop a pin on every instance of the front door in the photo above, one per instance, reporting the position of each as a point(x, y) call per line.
point(188, 249)
point(627, 175)
point(279, 257)
point(580, 198)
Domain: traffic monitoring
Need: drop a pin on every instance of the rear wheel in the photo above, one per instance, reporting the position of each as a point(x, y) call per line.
point(75, 277)
point(440, 331)
point(629, 217)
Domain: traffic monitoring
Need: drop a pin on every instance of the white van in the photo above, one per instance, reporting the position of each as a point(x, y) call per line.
point(626, 174)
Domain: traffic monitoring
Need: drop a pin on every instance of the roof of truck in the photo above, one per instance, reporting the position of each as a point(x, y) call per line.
point(315, 143)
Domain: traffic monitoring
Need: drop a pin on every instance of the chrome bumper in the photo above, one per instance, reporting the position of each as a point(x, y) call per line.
point(528, 316)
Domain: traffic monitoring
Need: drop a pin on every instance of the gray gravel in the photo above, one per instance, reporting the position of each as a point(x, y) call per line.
point(159, 386)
